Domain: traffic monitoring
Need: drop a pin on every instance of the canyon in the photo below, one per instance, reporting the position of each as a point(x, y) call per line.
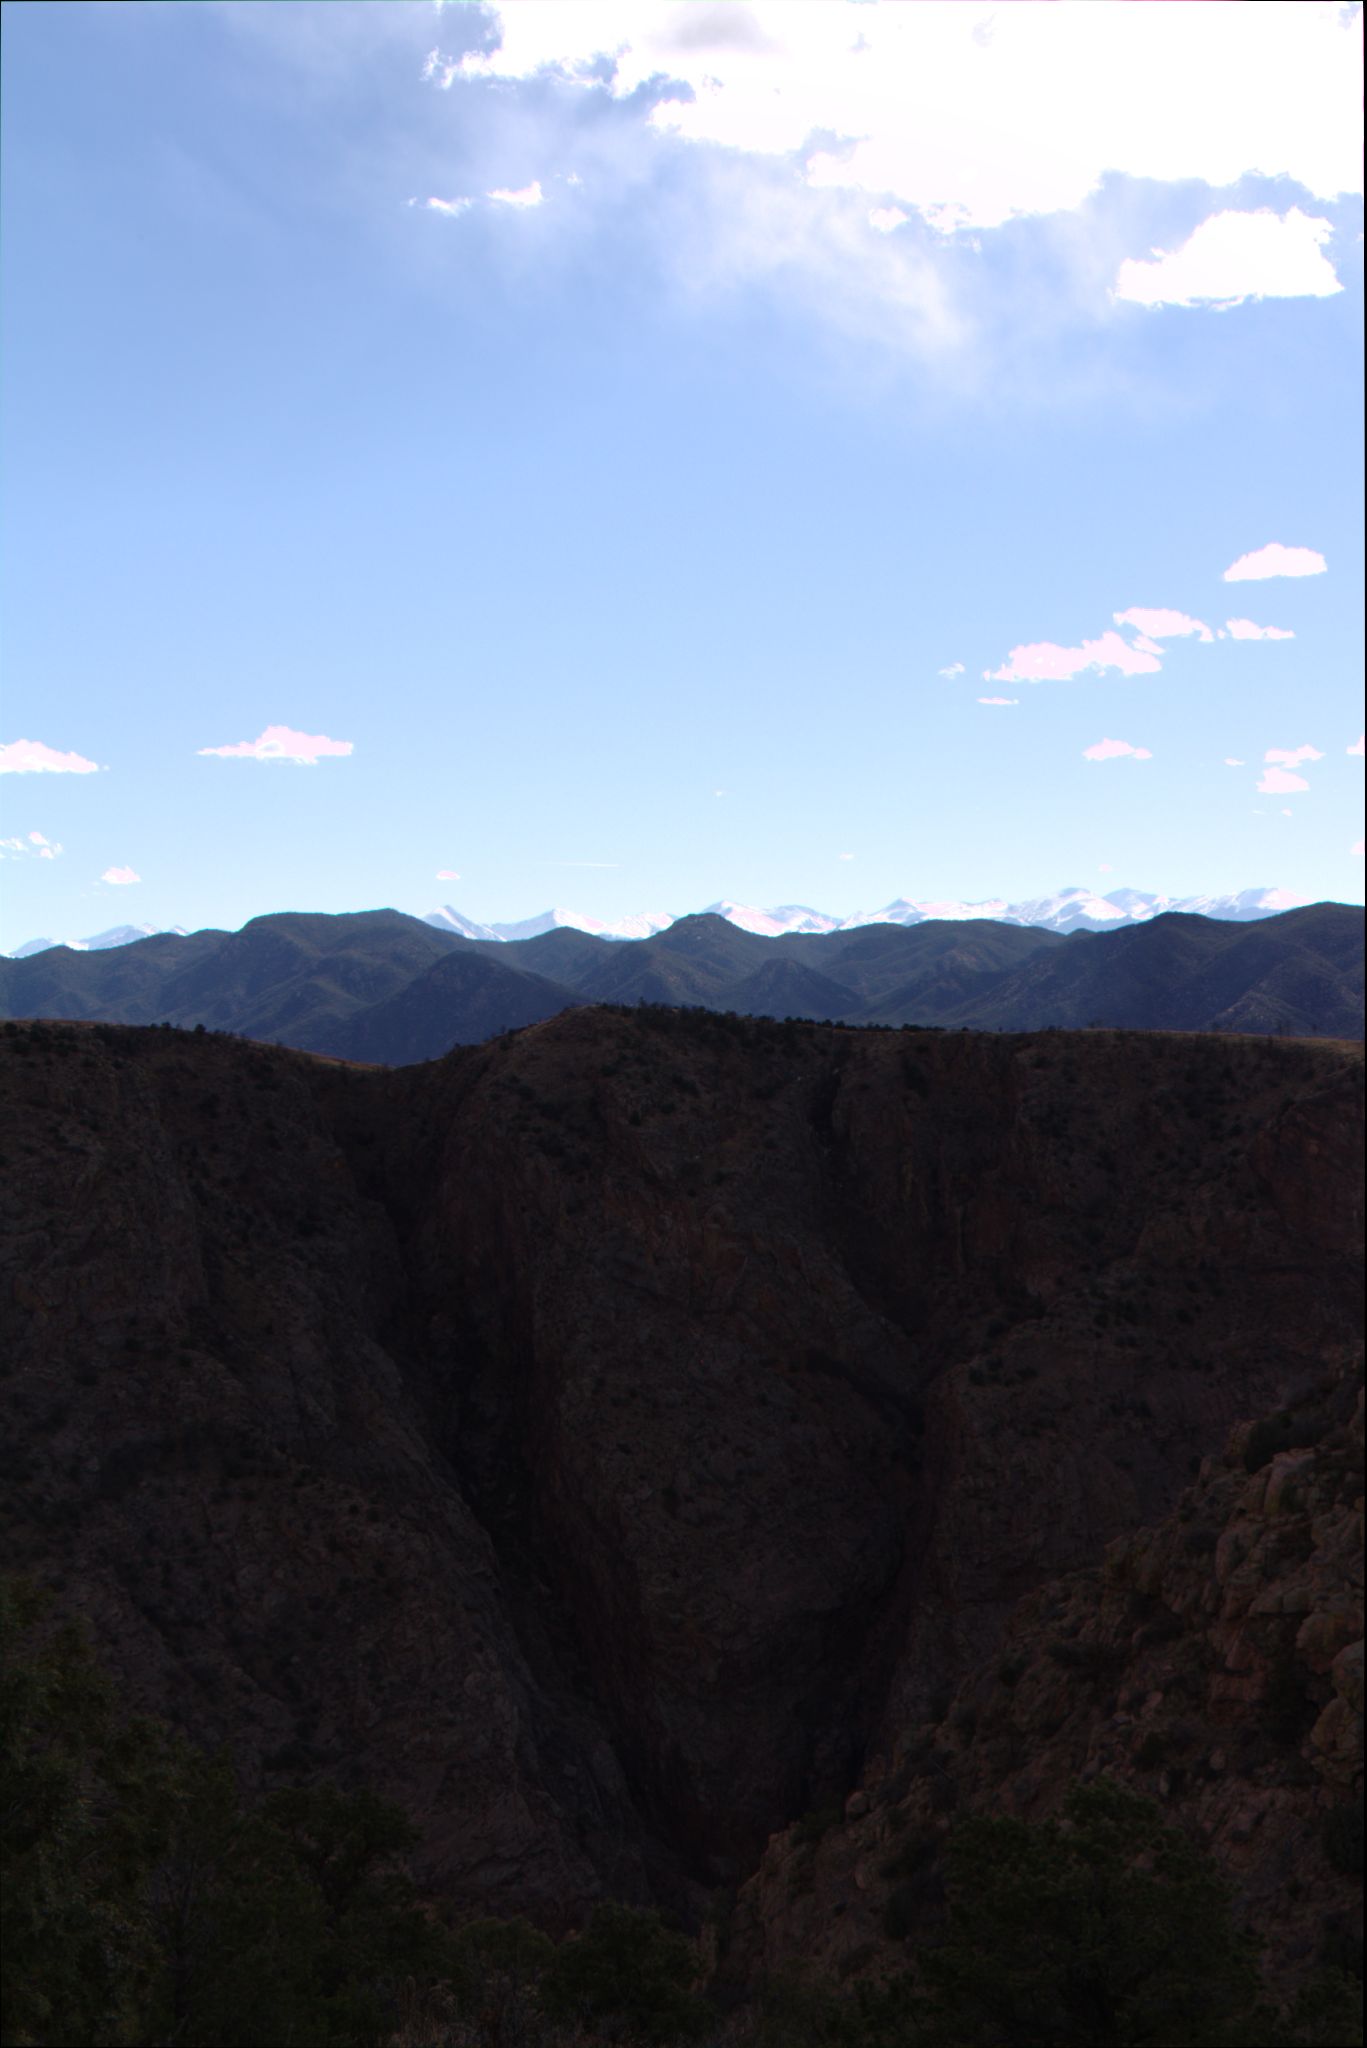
point(624, 1440)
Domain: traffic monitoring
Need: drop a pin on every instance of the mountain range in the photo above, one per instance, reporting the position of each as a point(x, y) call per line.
point(385, 988)
point(1068, 910)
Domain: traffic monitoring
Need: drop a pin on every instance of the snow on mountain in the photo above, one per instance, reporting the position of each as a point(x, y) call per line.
point(117, 935)
point(1068, 910)
point(448, 920)
point(769, 924)
point(639, 926)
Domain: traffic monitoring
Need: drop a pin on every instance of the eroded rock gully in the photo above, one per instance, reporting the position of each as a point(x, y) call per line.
point(611, 1440)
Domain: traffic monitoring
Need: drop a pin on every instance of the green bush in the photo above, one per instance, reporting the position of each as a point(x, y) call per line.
point(1107, 1926)
point(143, 1899)
point(630, 1972)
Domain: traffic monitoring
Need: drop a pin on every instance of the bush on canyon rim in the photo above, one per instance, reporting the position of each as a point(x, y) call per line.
point(1107, 1926)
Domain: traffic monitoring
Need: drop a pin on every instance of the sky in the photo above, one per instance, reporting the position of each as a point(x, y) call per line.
point(625, 455)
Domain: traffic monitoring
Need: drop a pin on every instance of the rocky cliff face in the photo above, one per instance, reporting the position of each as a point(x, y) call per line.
point(612, 1441)
point(1214, 1662)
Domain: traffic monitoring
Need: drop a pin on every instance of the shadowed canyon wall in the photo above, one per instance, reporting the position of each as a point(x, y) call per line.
point(606, 1440)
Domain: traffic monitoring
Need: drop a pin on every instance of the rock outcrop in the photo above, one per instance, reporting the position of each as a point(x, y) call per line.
point(1214, 1662)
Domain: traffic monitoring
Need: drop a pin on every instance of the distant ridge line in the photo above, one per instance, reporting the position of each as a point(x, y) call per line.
point(1067, 910)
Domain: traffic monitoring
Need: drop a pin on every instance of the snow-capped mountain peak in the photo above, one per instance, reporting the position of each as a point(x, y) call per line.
point(1067, 910)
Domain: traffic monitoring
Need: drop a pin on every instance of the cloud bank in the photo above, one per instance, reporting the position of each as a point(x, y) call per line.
point(967, 115)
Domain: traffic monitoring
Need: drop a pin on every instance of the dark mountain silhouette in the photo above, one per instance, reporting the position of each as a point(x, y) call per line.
point(1301, 972)
point(622, 1440)
point(460, 1000)
point(368, 985)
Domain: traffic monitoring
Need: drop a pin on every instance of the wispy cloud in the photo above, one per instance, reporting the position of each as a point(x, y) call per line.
point(1113, 750)
point(585, 863)
point(120, 876)
point(1244, 629)
point(281, 743)
point(1236, 256)
point(1232, 761)
point(999, 700)
point(956, 668)
point(1044, 661)
point(447, 875)
point(452, 208)
point(528, 195)
point(1275, 560)
point(1157, 624)
point(1358, 745)
point(32, 846)
point(31, 757)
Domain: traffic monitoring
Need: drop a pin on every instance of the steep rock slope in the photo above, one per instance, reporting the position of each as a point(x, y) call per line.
point(1212, 1660)
point(602, 1439)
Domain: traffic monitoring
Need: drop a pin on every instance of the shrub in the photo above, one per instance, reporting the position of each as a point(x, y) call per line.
point(629, 1970)
point(1104, 1926)
point(814, 1824)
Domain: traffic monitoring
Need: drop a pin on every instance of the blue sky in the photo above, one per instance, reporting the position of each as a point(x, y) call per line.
point(615, 454)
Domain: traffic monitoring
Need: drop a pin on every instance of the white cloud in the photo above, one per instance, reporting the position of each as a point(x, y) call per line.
point(1277, 782)
point(1275, 560)
point(1359, 745)
point(528, 195)
point(1292, 757)
point(31, 757)
point(452, 208)
point(966, 127)
point(885, 219)
point(447, 875)
point(1162, 625)
point(1231, 761)
point(1236, 256)
point(956, 668)
point(999, 700)
point(1244, 629)
point(844, 856)
point(33, 845)
point(1045, 661)
point(280, 743)
point(1356, 848)
point(120, 876)
point(1112, 750)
